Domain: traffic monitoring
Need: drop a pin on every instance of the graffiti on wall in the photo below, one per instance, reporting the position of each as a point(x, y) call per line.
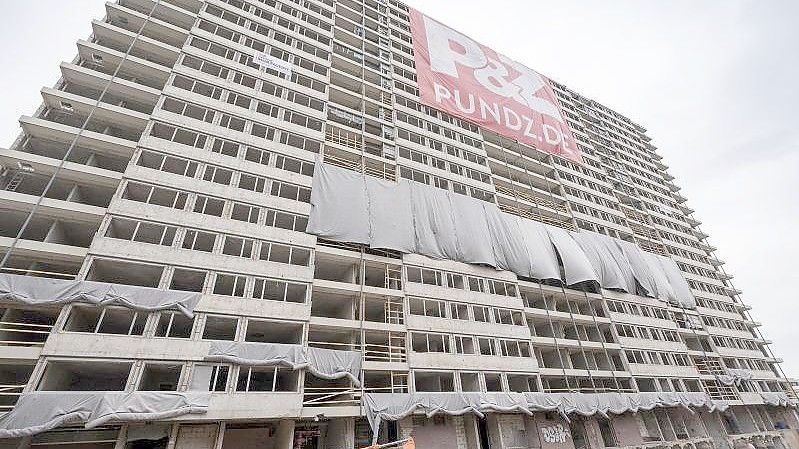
point(555, 434)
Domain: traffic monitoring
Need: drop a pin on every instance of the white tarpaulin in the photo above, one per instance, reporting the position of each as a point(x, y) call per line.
point(392, 228)
point(614, 272)
point(778, 399)
point(734, 376)
point(322, 363)
point(339, 207)
point(46, 291)
point(41, 411)
point(411, 217)
point(392, 407)
point(576, 266)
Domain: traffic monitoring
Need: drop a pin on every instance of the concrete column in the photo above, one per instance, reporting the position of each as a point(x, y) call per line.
point(405, 427)
point(340, 434)
point(460, 432)
point(284, 437)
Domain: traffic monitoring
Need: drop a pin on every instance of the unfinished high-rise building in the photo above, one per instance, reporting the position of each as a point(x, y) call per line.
point(327, 224)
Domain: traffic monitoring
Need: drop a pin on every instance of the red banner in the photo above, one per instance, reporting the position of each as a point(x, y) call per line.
point(471, 81)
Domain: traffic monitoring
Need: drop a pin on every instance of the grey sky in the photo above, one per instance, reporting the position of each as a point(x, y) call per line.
point(714, 82)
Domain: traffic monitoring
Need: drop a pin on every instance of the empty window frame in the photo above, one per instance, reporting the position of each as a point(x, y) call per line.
point(188, 110)
point(275, 290)
point(481, 313)
point(275, 252)
point(266, 379)
point(174, 325)
point(428, 307)
point(169, 164)
point(178, 135)
point(159, 196)
point(106, 320)
point(141, 231)
point(188, 280)
point(424, 276)
point(216, 377)
point(291, 191)
point(199, 240)
point(424, 342)
point(286, 220)
point(294, 165)
point(209, 206)
point(486, 346)
point(220, 328)
point(197, 87)
point(217, 175)
point(514, 348)
point(464, 344)
point(245, 212)
point(459, 311)
point(160, 377)
point(238, 247)
point(230, 285)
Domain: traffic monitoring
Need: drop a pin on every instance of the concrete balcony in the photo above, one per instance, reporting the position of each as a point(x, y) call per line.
point(180, 13)
point(121, 116)
point(52, 252)
point(120, 87)
point(448, 325)
point(53, 131)
point(435, 360)
point(134, 69)
point(144, 47)
point(132, 20)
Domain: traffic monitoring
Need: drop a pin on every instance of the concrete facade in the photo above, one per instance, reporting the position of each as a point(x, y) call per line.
point(177, 163)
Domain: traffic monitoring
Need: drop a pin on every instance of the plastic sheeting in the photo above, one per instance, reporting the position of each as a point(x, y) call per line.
point(614, 272)
point(778, 399)
point(45, 291)
point(322, 363)
point(392, 407)
point(415, 218)
point(41, 411)
point(734, 376)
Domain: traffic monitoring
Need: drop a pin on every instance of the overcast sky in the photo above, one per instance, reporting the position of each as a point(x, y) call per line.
point(714, 82)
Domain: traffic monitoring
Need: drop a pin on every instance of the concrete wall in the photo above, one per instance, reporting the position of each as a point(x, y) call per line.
point(202, 436)
point(256, 438)
point(427, 434)
point(627, 431)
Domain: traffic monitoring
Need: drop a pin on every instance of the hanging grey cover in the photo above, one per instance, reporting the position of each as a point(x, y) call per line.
point(541, 254)
point(392, 407)
point(576, 265)
point(605, 263)
point(339, 209)
point(472, 231)
point(41, 411)
point(46, 291)
point(639, 266)
point(390, 215)
point(415, 218)
point(660, 281)
point(435, 228)
point(322, 363)
point(734, 376)
point(510, 250)
point(682, 291)
point(778, 399)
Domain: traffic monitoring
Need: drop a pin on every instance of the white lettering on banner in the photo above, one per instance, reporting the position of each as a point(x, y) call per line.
point(267, 61)
point(467, 79)
point(555, 434)
point(491, 74)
